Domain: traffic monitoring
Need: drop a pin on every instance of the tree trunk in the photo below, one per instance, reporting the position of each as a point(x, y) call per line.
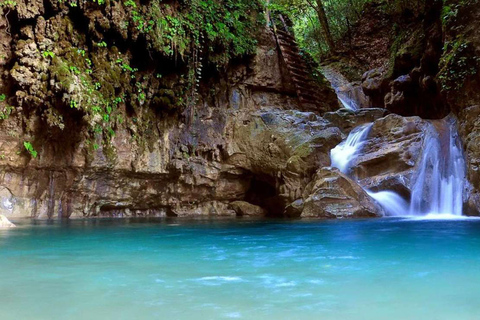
point(322, 17)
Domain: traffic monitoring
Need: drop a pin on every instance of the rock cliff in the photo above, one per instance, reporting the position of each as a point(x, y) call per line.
point(93, 124)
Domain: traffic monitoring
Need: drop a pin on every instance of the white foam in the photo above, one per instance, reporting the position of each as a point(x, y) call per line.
point(220, 278)
point(346, 151)
point(391, 202)
point(441, 216)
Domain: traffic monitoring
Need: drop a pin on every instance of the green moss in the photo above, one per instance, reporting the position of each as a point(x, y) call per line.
point(304, 150)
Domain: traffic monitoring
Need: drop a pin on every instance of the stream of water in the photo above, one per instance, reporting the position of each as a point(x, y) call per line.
point(343, 154)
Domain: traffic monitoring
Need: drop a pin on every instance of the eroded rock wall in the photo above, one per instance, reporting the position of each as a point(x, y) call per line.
point(143, 153)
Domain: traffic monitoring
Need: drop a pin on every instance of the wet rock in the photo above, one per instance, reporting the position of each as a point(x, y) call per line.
point(373, 85)
point(243, 208)
point(333, 195)
point(347, 92)
point(294, 209)
point(347, 120)
point(470, 131)
point(472, 205)
point(390, 155)
point(284, 148)
point(353, 93)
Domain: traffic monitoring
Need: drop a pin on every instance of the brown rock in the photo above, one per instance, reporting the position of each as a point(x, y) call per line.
point(294, 209)
point(373, 84)
point(28, 9)
point(347, 120)
point(390, 155)
point(284, 148)
point(333, 195)
point(243, 208)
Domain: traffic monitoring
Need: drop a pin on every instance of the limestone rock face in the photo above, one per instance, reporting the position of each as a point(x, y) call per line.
point(149, 153)
point(470, 132)
point(333, 195)
point(284, 149)
point(462, 80)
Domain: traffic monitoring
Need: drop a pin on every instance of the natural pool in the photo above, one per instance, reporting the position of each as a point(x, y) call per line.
point(248, 269)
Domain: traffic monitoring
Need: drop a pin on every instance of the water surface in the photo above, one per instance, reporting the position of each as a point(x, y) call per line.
point(203, 269)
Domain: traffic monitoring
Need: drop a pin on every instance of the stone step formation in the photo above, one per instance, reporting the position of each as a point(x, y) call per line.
point(305, 86)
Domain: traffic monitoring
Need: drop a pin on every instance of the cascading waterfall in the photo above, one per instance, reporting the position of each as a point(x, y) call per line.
point(346, 93)
point(439, 184)
point(391, 202)
point(343, 154)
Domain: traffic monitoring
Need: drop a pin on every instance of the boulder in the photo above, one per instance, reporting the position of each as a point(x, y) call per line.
point(374, 86)
point(471, 207)
point(5, 223)
point(243, 208)
point(333, 195)
point(294, 209)
point(347, 120)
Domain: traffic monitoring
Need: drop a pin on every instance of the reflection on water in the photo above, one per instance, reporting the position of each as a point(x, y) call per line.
point(246, 269)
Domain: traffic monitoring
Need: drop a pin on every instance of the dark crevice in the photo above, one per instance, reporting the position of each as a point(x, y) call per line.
point(265, 195)
point(49, 10)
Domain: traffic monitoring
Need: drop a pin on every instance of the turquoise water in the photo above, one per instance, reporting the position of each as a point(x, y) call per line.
point(201, 269)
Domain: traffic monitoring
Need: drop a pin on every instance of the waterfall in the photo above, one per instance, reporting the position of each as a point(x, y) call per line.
point(345, 152)
point(349, 95)
point(342, 156)
point(438, 186)
point(391, 202)
point(347, 102)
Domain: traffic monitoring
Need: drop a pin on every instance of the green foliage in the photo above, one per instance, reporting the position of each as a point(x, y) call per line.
point(47, 54)
point(341, 15)
point(95, 79)
point(221, 29)
point(451, 8)
point(29, 147)
point(8, 4)
point(6, 112)
point(458, 63)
